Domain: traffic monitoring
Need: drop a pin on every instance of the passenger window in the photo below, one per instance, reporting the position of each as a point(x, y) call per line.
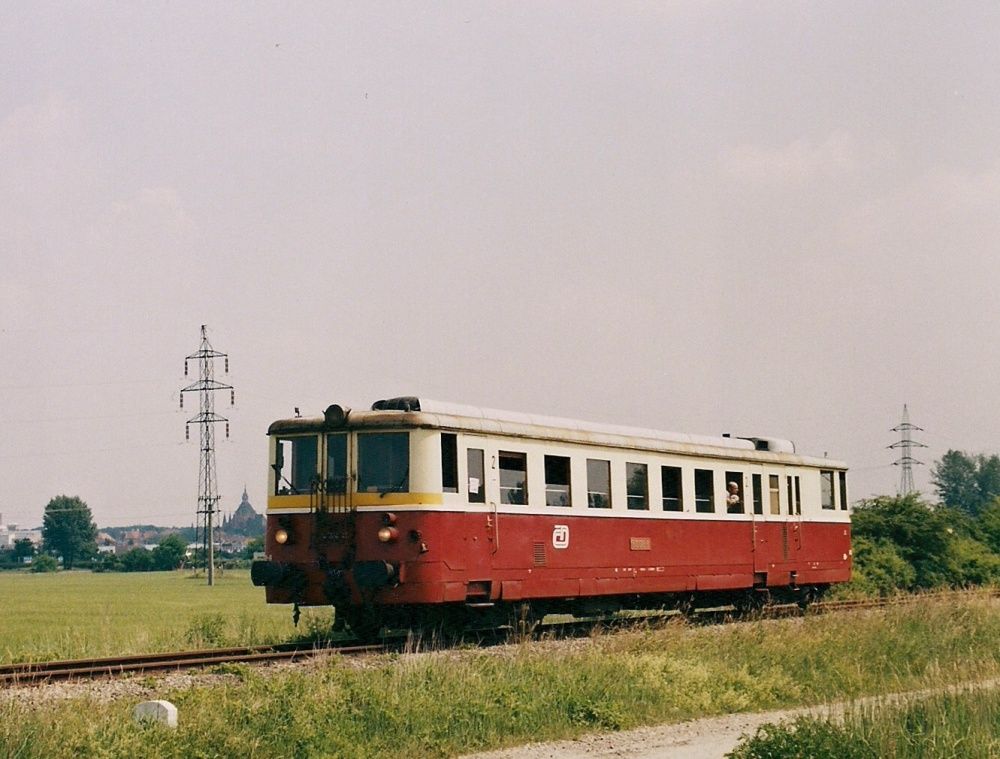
point(384, 462)
point(734, 492)
point(449, 462)
point(673, 497)
point(637, 486)
point(843, 491)
point(704, 491)
point(598, 484)
point(477, 471)
point(295, 465)
point(798, 495)
point(513, 477)
point(826, 489)
point(557, 481)
point(774, 486)
point(758, 495)
point(336, 463)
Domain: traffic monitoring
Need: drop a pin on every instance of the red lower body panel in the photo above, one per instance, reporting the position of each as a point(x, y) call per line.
point(440, 557)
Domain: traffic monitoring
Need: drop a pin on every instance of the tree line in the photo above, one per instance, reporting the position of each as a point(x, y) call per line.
point(908, 543)
point(70, 533)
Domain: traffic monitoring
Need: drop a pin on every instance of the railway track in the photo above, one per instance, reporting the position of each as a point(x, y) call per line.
point(25, 673)
point(902, 600)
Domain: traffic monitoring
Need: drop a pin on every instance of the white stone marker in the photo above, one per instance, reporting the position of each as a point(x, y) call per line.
point(163, 712)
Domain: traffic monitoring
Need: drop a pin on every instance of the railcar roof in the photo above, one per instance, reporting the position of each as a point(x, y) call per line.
point(452, 416)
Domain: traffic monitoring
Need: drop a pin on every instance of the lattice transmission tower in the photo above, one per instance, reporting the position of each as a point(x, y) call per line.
point(906, 444)
point(208, 495)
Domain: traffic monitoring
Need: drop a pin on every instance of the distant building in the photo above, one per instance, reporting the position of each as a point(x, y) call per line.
point(234, 544)
point(244, 521)
point(135, 539)
point(10, 534)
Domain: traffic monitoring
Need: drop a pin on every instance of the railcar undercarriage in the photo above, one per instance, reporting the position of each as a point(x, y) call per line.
point(368, 622)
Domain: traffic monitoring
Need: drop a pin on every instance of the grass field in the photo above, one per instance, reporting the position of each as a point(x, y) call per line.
point(81, 614)
point(446, 703)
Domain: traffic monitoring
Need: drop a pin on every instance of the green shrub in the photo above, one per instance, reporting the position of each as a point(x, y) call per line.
point(169, 554)
point(804, 738)
point(206, 631)
point(106, 562)
point(879, 568)
point(44, 563)
point(972, 563)
point(137, 560)
point(988, 526)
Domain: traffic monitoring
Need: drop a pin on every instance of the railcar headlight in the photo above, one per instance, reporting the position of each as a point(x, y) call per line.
point(281, 536)
point(388, 535)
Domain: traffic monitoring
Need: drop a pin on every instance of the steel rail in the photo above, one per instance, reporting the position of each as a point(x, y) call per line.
point(33, 672)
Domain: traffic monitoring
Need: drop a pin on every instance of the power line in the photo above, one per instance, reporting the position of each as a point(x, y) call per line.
point(206, 419)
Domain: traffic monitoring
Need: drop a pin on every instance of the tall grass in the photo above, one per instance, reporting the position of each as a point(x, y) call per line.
point(444, 703)
point(948, 725)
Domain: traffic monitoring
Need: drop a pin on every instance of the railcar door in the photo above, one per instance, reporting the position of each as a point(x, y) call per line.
point(338, 462)
point(481, 490)
point(331, 500)
point(771, 524)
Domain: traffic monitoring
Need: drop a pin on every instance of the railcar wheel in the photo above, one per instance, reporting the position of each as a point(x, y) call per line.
point(751, 601)
point(686, 604)
point(339, 619)
point(364, 623)
point(809, 595)
point(447, 626)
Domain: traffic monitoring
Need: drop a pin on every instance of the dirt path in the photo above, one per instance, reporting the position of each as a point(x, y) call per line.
point(708, 738)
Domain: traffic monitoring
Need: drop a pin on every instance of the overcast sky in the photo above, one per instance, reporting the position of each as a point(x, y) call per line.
point(706, 217)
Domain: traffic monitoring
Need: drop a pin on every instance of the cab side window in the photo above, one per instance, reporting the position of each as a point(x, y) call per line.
point(295, 465)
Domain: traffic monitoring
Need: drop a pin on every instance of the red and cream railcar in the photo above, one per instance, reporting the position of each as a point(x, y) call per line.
point(416, 507)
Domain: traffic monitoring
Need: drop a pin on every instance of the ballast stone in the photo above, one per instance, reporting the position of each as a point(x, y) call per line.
point(163, 712)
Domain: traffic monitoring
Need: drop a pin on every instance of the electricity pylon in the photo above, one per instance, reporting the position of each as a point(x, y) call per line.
point(208, 496)
point(906, 444)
